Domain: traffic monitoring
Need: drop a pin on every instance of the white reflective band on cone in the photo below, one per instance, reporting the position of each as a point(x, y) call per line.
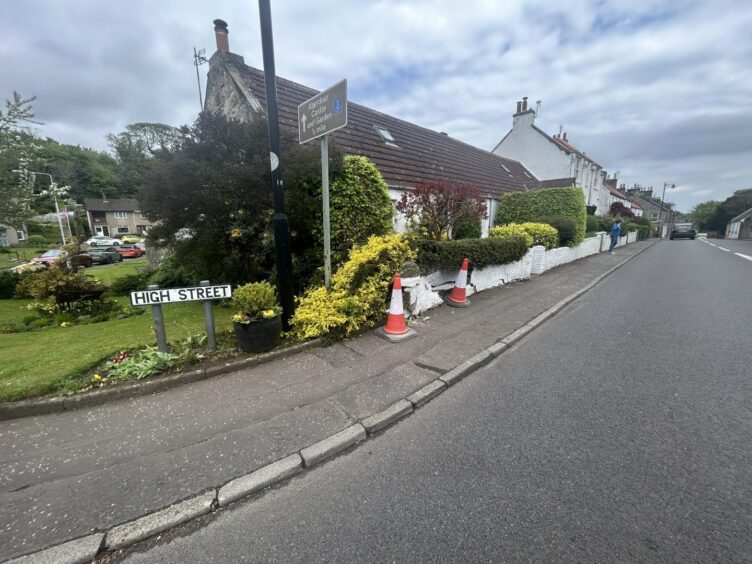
point(461, 279)
point(395, 307)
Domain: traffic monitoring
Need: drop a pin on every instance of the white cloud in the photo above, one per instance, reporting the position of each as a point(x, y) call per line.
point(656, 89)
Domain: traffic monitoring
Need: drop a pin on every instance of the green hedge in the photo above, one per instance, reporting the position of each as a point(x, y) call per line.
point(521, 207)
point(448, 255)
point(566, 227)
point(592, 224)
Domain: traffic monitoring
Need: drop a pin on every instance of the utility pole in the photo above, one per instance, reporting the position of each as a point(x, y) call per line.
point(663, 197)
point(281, 224)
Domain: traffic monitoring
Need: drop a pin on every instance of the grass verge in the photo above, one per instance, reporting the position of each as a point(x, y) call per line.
point(53, 361)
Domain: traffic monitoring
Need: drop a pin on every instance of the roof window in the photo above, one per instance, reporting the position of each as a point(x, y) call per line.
point(509, 172)
point(386, 136)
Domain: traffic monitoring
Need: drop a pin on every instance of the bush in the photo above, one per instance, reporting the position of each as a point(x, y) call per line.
point(566, 228)
point(254, 301)
point(592, 224)
point(467, 228)
point(56, 283)
point(510, 229)
point(448, 255)
point(36, 240)
point(542, 234)
point(358, 293)
point(569, 203)
point(8, 283)
point(172, 274)
point(124, 285)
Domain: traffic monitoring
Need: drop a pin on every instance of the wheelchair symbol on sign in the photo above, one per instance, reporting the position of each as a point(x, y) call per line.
point(337, 105)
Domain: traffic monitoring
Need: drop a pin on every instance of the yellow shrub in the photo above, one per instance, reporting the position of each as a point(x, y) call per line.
point(358, 292)
point(509, 229)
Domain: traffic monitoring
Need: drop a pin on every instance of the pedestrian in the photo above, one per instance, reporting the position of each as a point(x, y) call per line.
point(615, 232)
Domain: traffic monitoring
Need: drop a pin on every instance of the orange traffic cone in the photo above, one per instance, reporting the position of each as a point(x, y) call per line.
point(395, 329)
point(458, 297)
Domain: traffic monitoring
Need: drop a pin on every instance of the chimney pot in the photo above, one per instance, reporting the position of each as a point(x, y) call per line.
point(220, 32)
point(524, 103)
point(519, 107)
point(565, 136)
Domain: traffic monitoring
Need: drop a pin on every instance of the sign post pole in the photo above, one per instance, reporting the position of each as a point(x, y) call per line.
point(325, 198)
point(211, 337)
point(156, 313)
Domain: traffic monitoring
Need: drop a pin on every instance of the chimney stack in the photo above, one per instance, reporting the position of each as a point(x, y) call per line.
point(524, 103)
point(565, 136)
point(220, 32)
point(519, 107)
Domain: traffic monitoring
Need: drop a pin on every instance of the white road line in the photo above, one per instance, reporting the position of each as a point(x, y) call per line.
point(743, 256)
point(724, 249)
point(712, 244)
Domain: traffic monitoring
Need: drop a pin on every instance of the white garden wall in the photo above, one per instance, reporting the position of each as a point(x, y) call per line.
point(422, 293)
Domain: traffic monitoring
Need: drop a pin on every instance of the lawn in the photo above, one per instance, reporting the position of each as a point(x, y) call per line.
point(52, 360)
point(108, 273)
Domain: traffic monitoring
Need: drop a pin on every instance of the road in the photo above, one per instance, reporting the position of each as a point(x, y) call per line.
point(621, 430)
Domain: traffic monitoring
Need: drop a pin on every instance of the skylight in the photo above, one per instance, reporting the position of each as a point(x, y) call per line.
point(509, 172)
point(384, 132)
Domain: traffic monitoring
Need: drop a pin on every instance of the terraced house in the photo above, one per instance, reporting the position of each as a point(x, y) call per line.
point(115, 217)
point(404, 153)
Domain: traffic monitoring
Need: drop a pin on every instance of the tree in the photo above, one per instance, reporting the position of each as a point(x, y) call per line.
point(17, 148)
point(702, 214)
point(738, 202)
point(136, 148)
point(439, 206)
point(212, 199)
point(617, 208)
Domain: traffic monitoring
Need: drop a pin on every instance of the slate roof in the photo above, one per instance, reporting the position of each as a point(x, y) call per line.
point(552, 183)
point(420, 153)
point(124, 204)
point(565, 145)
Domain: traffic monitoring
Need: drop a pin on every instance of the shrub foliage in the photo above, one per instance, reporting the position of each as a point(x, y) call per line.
point(358, 293)
point(447, 255)
point(534, 233)
point(554, 202)
point(566, 228)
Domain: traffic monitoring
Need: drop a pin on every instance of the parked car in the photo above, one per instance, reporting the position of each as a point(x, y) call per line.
point(56, 255)
point(105, 255)
point(131, 239)
point(683, 231)
point(130, 251)
point(101, 241)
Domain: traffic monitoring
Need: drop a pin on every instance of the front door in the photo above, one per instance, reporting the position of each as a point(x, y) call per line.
point(102, 230)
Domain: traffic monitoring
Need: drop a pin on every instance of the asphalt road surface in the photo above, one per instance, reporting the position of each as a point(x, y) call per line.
point(621, 430)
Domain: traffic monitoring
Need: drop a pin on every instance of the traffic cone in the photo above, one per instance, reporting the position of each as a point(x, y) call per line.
point(395, 329)
point(458, 297)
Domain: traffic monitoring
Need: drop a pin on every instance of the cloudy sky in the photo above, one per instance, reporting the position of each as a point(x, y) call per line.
point(656, 90)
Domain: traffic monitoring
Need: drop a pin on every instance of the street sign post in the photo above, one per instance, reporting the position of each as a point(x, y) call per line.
point(324, 113)
point(317, 117)
point(155, 297)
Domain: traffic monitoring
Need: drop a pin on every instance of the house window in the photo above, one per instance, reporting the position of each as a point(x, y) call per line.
point(509, 172)
point(120, 215)
point(386, 136)
point(654, 214)
point(122, 230)
point(21, 235)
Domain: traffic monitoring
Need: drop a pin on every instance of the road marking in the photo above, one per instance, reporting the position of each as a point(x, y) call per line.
point(712, 244)
point(724, 249)
point(743, 256)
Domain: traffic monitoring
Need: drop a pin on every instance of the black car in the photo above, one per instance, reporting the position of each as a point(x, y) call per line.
point(105, 255)
point(683, 231)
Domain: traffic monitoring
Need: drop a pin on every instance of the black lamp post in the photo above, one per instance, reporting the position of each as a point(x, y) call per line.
point(281, 224)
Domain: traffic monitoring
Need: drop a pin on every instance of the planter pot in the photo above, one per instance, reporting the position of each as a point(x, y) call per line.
point(258, 336)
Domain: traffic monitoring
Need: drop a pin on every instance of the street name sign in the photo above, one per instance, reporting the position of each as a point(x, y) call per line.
point(172, 295)
point(324, 113)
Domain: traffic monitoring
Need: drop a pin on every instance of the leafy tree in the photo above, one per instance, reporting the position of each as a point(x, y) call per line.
point(440, 206)
point(213, 198)
point(702, 214)
point(136, 148)
point(17, 148)
point(738, 202)
point(617, 208)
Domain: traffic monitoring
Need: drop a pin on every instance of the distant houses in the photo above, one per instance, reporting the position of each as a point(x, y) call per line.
point(740, 227)
point(115, 217)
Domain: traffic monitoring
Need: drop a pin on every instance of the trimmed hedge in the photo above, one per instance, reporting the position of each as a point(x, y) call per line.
point(521, 207)
point(566, 228)
point(592, 224)
point(448, 255)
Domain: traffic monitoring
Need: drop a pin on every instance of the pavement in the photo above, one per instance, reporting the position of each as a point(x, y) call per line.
point(67, 474)
point(618, 431)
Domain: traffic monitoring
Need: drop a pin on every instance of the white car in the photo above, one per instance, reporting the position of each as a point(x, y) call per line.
point(101, 241)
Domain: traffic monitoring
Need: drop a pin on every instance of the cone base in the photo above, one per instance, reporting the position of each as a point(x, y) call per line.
point(450, 302)
point(398, 338)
